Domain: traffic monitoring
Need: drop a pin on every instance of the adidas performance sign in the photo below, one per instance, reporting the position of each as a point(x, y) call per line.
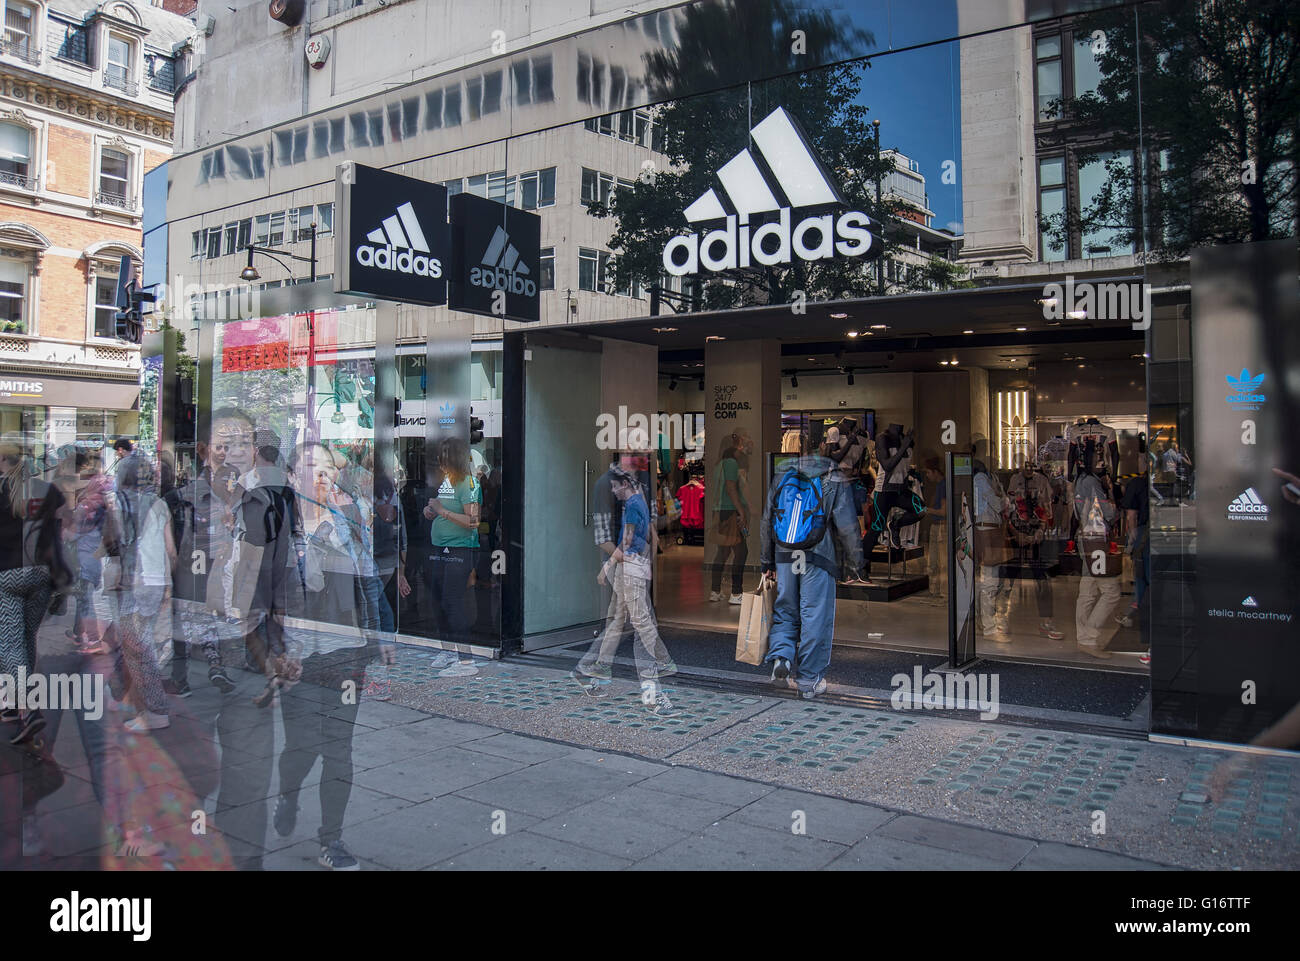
point(392, 237)
point(781, 205)
point(497, 266)
point(1247, 506)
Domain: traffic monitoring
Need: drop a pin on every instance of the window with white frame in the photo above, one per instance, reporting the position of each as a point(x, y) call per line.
point(213, 242)
point(261, 229)
point(537, 189)
point(276, 236)
point(244, 236)
point(118, 56)
point(115, 176)
point(106, 300)
point(547, 269)
point(196, 244)
point(14, 273)
point(16, 155)
point(596, 186)
point(20, 31)
point(593, 269)
point(324, 219)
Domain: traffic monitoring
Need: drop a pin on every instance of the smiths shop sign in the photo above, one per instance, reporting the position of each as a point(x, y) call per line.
point(395, 243)
point(775, 203)
point(497, 257)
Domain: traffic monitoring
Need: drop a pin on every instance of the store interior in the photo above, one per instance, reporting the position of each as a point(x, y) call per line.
point(1018, 396)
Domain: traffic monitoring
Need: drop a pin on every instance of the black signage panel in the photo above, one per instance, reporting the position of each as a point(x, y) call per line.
point(1246, 338)
point(498, 267)
point(391, 236)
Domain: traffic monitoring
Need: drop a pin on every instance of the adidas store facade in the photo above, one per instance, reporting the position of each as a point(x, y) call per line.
point(791, 309)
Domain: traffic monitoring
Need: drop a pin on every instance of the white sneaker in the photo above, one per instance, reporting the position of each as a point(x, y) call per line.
point(818, 688)
point(714, 596)
point(148, 721)
point(443, 659)
point(736, 600)
point(461, 669)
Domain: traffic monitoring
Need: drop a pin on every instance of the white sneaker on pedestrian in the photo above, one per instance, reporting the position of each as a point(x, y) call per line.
point(148, 721)
point(736, 600)
point(715, 596)
point(809, 693)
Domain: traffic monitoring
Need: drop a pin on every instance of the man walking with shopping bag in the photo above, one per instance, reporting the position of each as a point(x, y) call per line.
point(798, 554)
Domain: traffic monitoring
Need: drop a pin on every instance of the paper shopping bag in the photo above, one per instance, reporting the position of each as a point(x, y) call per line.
point(755, 623)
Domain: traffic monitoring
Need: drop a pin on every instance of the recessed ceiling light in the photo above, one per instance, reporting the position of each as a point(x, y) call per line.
point(954, 361)
point(943, 363)
point(1076, 314)
point(714, 337)
point(839, 316)
point(1022, 329)
point(879, 326)
point(852, 333)
point(1081, 366)
point(663, 330)
point(968, 331)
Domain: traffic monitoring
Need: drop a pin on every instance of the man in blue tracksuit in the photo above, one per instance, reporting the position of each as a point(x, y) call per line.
point(803, 622)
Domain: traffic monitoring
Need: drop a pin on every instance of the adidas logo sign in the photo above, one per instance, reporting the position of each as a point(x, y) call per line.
point(446, 490)
point(781, 160)
point(1248, 507)
point(1245, 389)
point(502, 269)
point(447, 415)
point(402, 246)
point(1250, 602)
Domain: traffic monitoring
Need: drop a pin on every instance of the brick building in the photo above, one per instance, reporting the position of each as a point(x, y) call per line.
point(86, 104)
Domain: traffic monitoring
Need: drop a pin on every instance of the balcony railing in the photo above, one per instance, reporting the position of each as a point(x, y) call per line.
point(110, 199)
point(23, 50)
point(21, 181)
point(118, 82)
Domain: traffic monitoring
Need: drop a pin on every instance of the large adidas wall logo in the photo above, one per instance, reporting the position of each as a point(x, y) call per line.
point(501, 268)
point(401, 246)
point(1247, 506)
point(780, 175)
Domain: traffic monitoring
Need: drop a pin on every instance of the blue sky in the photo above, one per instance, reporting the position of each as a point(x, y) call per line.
point(916, 94)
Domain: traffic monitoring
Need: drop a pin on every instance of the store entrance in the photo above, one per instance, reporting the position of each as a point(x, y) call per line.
point(1057, 418)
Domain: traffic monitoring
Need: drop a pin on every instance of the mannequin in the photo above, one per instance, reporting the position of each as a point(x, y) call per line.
point(1093, 445)
point(894, 451)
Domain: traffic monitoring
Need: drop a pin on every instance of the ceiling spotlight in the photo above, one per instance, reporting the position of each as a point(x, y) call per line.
point(879, 326)
point(953, 362)
point(943, 363)
point(1021, 329)
point(840, 316)
point(714, 337)
point(968, 331)
point(663, 330)
point(852, 333)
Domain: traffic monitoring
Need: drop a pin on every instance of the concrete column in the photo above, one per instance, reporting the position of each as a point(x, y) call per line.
point(742, 395)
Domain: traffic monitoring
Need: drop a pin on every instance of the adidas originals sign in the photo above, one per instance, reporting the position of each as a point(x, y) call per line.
point(402, 246)
point(1247, 506)
point(393, 241)
point(779, 176)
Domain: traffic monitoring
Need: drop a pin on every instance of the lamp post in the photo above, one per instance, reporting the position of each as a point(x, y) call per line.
point(250, 274)
point(880, 261)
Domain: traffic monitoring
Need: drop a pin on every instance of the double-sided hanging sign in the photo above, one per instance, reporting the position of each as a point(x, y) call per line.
point(392, 241)
point(497, 260)
point(761, 192)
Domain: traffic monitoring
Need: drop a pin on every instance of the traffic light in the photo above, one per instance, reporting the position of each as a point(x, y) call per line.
point(129, 319)
point(475, 430)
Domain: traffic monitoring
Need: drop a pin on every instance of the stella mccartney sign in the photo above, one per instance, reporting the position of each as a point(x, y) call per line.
point(781, 175)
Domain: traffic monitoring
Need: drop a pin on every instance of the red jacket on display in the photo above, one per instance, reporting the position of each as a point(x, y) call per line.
point(692, 498)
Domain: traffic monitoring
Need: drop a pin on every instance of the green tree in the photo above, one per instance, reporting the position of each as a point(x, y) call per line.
point(1219, 110)
point(704, 131)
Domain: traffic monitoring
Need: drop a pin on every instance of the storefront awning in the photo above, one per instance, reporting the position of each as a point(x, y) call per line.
point(24, 390)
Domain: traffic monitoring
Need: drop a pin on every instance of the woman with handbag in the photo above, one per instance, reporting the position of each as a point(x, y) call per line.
point(31, 568)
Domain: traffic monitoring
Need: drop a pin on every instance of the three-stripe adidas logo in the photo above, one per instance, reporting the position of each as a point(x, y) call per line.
point(501, 268)
point(401, 246)
point(1250, 601)
point(778, 174)
point(1247, 506)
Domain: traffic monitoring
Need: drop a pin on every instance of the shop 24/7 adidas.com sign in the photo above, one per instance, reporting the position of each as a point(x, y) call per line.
point(767, 184)
point(392, 239)
point(497, 259)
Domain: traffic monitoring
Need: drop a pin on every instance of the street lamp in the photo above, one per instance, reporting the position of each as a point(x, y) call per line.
point(250, 273)
point(880, 261)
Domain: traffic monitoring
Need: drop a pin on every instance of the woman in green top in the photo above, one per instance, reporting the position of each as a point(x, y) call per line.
point(454, 511)
point(731, 514)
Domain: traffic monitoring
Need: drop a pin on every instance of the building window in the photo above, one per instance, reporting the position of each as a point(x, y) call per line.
point(196, 244)
point(547, 271)
point(20, 30)
point(483, 95)
point(1051, 203)
point(106, 301)
point(117, 63)
point(537, 189)
point(596, 186)
point(114, 177)
point(1094, 173)
point(13, 296)
point(324, 219)
point(244, 236)
point(291, 146)
point(1047, 56)
point(593, 270)
point(276, 236)
point(16, 156)
point(213, 242)
point(230, 239)
point(534, 80)
point(261, 229)
point(74, 44)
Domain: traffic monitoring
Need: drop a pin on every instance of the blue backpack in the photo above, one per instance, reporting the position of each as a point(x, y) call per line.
point(799, 512)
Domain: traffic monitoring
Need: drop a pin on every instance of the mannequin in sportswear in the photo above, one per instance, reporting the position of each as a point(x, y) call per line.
point(1093, 447)
point(893, 494)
